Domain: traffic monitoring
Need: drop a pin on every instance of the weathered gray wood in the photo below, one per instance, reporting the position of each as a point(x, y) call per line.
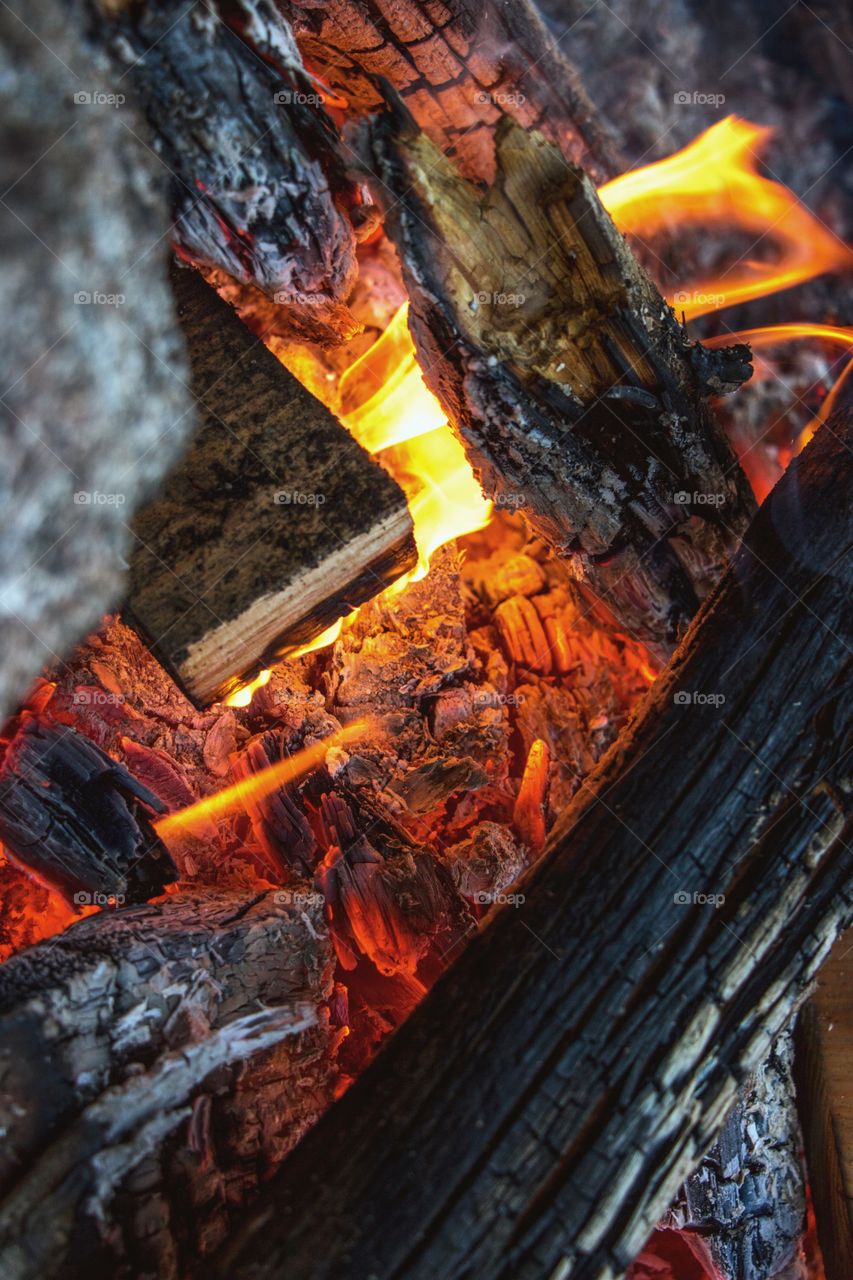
point(537, 1112)
point(276, 523)
point(133, 1123)
point(575, 391)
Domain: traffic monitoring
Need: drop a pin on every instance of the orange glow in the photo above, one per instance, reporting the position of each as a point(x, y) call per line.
point(242, 697)
point(715, 182)
point(388, 408)
point(268, 780)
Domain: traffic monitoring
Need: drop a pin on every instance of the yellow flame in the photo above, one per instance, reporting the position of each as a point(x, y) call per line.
point(715, 182)
point(254, 788)
point(388, 408)
point(242, 697)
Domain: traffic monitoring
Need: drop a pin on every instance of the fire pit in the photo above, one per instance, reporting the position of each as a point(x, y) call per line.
point(423, 791)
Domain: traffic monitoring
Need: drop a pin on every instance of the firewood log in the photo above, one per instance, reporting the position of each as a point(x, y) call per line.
point(276, 523)
point(77, 818)
point(458, 66)
point(537, 1112)
point(823, 1071)
point(154, 1062)
point(574, 389)
point(256, 178)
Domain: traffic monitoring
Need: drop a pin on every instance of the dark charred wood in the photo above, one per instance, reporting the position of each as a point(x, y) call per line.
point(256, 179)
point(78, 819)
point(823, 1074)
point(275, 524)
point(457, 66)
point(572, 1067)
point(154, 1062)
point(574, 389)
point(744, 1209)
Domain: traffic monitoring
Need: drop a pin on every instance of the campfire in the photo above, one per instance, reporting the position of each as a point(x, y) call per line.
point(423, 819)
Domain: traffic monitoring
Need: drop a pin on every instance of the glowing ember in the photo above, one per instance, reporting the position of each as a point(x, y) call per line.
point(261, 784)
point(715, 182)
point(389, 409)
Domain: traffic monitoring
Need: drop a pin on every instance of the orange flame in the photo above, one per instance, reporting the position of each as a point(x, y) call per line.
point(389, 409)
point(268, 780)
point(715, 182)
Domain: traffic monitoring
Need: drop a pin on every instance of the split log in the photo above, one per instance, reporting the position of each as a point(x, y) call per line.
point(457, 65)
point(536, 1114)
point(256, 179)
point(744, 1209)
point(91, 368)
point(275, 525)
point(78, 819)
point(154, 1063)
point(576, 393)
point(825, 1100)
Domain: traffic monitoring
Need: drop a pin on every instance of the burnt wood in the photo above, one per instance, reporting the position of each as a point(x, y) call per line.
point(825, 1100)
point(154, 1061)
point(78, 819)
point(536, 1114)
point(253, 162)
point(275, 524)
point(457, 65)
point(576, 393)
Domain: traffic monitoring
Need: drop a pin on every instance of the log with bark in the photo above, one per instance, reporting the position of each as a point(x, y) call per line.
point(537, 1112)
point(155, 1062)
point(256, 178)
point(577, 394)
point(276, 523)
point(825, 1101)
point(458, 66)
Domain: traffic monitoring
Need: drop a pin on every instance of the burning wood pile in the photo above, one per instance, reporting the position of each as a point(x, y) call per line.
point(453, 683)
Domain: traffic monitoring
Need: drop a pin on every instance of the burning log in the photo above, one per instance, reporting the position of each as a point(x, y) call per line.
point(457, 66)
point(824, 1033)
point(275, 524)
point(575, 391)
point(575, 1063)
point(257, 183)
point(153, 1061)
point(78, 819)
point(744, 1209)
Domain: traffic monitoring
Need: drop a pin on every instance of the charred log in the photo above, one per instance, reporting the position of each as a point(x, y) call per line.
point(275, 525)
point(257, 183)
point(600, 1029)
point(457, 66)
point(78, 819)
point(575, 391)
point(153, 1061)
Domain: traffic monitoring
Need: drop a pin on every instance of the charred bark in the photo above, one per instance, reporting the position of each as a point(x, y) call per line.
point(598, 1031)
point(575, 391)
point(154, 1063)
point(78, 819)
point(276, 523)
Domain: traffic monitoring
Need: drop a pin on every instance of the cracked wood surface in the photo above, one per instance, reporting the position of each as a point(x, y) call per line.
point(537, 1112)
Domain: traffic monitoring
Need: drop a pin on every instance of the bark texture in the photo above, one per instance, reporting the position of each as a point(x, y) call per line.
point(599, 1031)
